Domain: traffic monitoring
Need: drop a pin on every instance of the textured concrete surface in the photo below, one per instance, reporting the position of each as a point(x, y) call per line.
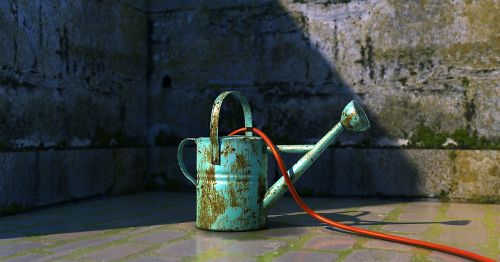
point(160, 227)
point(29, 179)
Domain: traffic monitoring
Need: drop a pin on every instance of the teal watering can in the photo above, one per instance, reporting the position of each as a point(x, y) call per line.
point(231, 183)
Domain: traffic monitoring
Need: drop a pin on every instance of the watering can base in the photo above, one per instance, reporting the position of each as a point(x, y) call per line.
point(233, 228)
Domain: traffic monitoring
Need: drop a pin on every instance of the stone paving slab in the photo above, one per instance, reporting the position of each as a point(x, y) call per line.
point(380, 244)
point(378, 255)
point(334, 242)
point(299, 256)
point(116, 252)
point(158, 226)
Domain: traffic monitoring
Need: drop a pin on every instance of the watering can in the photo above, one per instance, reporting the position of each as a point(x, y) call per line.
point(231, 184)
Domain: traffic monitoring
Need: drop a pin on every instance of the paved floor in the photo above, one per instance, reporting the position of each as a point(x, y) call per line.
point(159, 227)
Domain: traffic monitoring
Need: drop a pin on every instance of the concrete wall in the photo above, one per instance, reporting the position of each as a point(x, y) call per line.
point(73, 101)
point(95, 96)
point(428, 73)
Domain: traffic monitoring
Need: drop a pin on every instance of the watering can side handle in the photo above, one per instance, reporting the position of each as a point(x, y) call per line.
point(181, 161)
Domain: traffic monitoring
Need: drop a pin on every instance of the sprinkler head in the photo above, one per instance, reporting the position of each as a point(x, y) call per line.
point(354, 118)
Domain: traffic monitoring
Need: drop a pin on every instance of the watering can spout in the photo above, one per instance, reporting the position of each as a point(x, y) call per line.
point(353, 118)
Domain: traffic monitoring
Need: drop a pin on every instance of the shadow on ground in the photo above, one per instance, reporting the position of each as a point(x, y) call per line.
point(351, 218)
point(156, 208)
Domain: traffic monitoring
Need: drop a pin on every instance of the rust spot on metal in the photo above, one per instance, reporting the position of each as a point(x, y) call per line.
point(210, 172)
point(207, 154)
point(243, 219)
point(212, 203)
point(347, 119)
point(228, 149)
point(241, 162)
point(233, 197)
point(238, 180)
point(214, 127)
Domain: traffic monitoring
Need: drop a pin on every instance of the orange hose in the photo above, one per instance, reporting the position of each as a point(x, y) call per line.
point(369, 233)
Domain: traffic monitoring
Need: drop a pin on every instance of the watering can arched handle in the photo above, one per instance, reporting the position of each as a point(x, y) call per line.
point(214, 121)
point(181, 161)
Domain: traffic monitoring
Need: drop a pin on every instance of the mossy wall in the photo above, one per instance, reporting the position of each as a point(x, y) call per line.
point(427, 73)
point(72, 75)
point(73, 90)
point(86, 87)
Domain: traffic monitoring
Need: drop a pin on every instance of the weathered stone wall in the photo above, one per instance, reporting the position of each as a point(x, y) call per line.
point(73, 101)
point(427, 73)
point(87, 86)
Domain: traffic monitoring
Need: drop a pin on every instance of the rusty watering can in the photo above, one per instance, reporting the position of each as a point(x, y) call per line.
point(231, 184)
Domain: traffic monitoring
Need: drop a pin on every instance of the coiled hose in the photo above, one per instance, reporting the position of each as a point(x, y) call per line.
point(364, 232)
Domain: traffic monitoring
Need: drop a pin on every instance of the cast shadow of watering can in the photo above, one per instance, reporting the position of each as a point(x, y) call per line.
point(231, 183)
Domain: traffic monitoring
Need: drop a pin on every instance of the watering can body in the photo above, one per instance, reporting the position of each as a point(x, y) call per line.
point(230, 194)
point(231, 176)
point(231, 183)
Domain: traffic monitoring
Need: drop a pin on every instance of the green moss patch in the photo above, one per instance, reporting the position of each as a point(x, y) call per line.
point(425, 137)
point(12, 208)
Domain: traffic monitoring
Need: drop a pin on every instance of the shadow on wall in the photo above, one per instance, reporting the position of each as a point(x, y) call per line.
point(292, 83)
